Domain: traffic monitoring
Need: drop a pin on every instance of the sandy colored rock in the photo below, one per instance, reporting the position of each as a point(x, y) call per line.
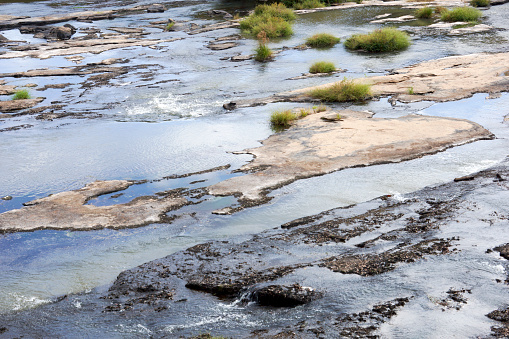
point(441, 80)
point(16, 105)
point(67, 210)
point(222, 45)
point(400, 19)
point(314, 147)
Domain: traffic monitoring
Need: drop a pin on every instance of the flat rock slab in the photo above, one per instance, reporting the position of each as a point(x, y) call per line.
point(222, 45)
point(447, 79)
point(16, 105)
point(70, 47)
point(314, 147)
point(441, 80)
point(67, 210)
point(400, 19)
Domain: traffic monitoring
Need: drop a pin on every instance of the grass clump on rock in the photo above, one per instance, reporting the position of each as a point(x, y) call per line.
point(322, 67)
point(424, 13)
point(282, 119)
point(479, 3)
point(263, 53)
point(345, 90)
point(275, 20)
point(381, 40)
point(322, 40)
point(461, 14)
point(21, 94)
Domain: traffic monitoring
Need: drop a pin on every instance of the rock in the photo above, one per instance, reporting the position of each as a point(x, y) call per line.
point(16, 105)
point(156, 8)
point(127, 30)
point(285, 296)
point(230, 106)
point(222, 46)
point(503, 250)
point(400, 19)
point(7, 197)
point(499, 315)
point(64, 32)
point(241, 58)
point(314, 147)
point(67, 210)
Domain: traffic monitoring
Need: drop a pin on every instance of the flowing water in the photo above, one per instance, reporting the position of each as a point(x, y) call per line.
point(174, 124)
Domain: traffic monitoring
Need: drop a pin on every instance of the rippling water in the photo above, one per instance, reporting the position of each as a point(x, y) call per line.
point(189, 132)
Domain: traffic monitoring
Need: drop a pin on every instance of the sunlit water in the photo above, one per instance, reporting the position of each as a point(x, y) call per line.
point(191, 132)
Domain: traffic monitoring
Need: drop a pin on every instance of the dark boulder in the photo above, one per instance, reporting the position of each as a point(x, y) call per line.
point(285, 296)
point(156, 8)
point(503, 250)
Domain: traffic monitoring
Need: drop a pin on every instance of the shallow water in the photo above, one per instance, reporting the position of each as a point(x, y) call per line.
point(190, 132)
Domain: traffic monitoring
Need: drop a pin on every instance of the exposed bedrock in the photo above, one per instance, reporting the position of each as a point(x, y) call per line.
point(68, 210)
point(317, 145)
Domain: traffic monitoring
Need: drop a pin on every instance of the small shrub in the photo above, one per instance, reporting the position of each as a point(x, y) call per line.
point(282, 119)
point(303, 113)
point(320, 108)
point(440, 9)
point(381, 40)
point(275, 20)
point(322, 40)
point(345, 90)
point(21, 94)
point(275, 10)
point(410, 90)
point(263, 52)
point(306, 4)
point(322, 67)
point(479, 3)
point(461, 14)
point(424, 13)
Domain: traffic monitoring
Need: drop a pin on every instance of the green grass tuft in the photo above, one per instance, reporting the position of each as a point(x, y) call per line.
point(424, 13)
point(479, 3)
point(169, 26)
point(275, 20)
point(280, 120)
point(21, 94)
point(322, 40)
point(381, 40)
point(440, 9)
point(320, 108)
point(345, 90)
point(307, 4)
point(461, 14)
point(263, 53)
point(322, 67)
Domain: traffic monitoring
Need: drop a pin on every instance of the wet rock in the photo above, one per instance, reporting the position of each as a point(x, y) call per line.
point(503, 250)
point(222, 46)
point(17, 105)
point(446, 79)
point(316, 75)
point(68, 210)
point(156, 8)
point(404, 18)
point(285, 296)
point(313, 147)
point(7, 197)
point(75, 46)
point(238, 58)
point(127, 30)
point(230, 106)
